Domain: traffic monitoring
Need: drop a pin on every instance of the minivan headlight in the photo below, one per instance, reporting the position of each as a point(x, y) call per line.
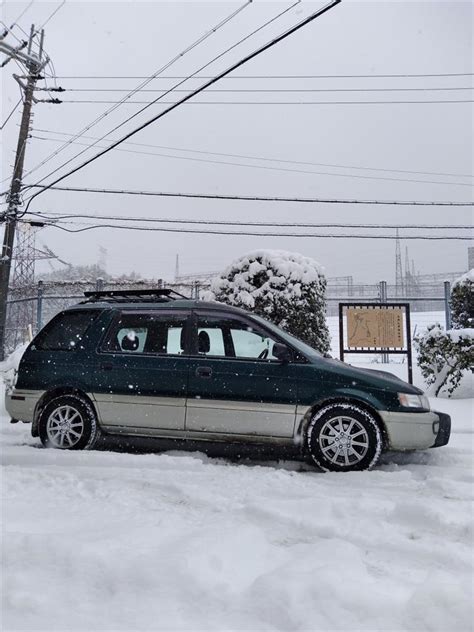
point(409, 400)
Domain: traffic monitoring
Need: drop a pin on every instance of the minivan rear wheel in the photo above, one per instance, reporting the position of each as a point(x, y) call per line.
point(68, 422)
point(342, 437)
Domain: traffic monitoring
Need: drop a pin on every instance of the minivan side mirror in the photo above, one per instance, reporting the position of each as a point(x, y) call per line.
point(281, 352)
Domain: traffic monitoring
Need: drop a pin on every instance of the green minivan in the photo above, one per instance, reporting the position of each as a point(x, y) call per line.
point(156, 364)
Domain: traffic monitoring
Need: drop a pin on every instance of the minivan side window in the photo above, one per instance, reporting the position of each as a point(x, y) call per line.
point(65, 331)
point(233, 338)
point(147, 333)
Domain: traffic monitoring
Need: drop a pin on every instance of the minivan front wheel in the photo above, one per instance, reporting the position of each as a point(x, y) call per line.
point(68, 422)
point(342, 437)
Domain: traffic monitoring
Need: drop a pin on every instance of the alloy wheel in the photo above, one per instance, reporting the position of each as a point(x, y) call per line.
point(343, 441)
point(65, 427)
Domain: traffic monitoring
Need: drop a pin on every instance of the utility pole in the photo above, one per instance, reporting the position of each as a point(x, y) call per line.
point(34, 65)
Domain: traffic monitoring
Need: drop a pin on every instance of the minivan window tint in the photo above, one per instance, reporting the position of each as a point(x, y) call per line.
point(147, 333)
point(233, 338)
point(65, 331)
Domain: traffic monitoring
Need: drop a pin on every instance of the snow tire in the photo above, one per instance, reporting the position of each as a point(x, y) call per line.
point(68, 422)
point(343, 437)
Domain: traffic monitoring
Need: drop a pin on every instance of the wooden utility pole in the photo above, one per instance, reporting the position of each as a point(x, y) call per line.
point(33, 64)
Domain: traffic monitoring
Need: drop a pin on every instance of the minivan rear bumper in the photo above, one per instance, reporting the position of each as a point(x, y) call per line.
point(416, 430)
point(21, 404)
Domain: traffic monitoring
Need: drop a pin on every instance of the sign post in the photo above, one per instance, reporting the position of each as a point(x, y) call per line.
point(376, 328)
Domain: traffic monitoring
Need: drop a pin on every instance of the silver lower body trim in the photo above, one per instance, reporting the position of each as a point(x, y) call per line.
point(137, 411)
point(257, 419)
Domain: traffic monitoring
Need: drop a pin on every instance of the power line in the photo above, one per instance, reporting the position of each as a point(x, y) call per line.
point(22, 14)
point(58, 8)
point(248, 198)
point(79, 215)
point(11, 114)
point(8, 29)
point(253, 233)
point(240, 77)
point(200, 89)
point(19, 27)
point(261, 158)
point(272, 168)
point(278, 90)
point(140, 111)
point(386, 102)
point(163, 68)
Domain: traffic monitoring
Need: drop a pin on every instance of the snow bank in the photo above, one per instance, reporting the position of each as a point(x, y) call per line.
point(13, 361)
point(8, 369)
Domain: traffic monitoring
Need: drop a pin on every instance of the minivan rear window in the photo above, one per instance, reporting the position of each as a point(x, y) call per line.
point(149, 332)
point(65, 331)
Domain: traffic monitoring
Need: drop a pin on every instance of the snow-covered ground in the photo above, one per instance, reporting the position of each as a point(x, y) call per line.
point(175, 541)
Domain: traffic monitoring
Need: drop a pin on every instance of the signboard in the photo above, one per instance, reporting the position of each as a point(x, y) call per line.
point(379, 328)
point(376, 328)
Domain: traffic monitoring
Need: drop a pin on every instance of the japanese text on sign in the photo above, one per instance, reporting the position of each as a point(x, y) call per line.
point(374, 328)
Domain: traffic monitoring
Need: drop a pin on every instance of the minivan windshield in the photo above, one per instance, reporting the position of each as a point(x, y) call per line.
point(296, 343)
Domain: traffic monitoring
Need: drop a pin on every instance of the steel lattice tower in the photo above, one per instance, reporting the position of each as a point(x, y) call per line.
point(22, 314)
point(398, 268)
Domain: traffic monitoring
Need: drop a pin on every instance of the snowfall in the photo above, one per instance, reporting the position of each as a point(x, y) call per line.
point(117, 540)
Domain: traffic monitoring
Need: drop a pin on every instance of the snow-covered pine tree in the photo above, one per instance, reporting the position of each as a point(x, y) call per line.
point(285, 287)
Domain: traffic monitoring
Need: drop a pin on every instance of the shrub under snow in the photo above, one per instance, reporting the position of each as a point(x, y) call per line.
point(462, 301)
point(286, 288)
point(444, 356)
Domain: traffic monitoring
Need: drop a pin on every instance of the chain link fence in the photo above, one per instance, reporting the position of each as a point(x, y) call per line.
point(428, 303)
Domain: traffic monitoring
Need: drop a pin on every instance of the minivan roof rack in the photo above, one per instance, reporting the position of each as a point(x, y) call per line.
point(158, 295)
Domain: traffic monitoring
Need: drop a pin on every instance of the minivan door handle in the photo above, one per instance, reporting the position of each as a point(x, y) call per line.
point(107, 366)
point(204, 371)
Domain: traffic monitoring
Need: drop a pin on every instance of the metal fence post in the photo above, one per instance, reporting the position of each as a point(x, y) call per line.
point(383, 299)
point(39, 306)
point(447, 305)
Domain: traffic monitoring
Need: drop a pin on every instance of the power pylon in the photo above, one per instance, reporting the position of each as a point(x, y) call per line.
point(176, 269)
point(22, 314)
point(408, 281)
point(398, 268)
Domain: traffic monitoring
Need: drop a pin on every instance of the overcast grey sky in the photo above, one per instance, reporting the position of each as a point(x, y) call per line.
point(136, 38)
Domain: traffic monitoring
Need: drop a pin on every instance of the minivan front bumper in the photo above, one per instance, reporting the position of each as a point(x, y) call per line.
point(416, 431)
